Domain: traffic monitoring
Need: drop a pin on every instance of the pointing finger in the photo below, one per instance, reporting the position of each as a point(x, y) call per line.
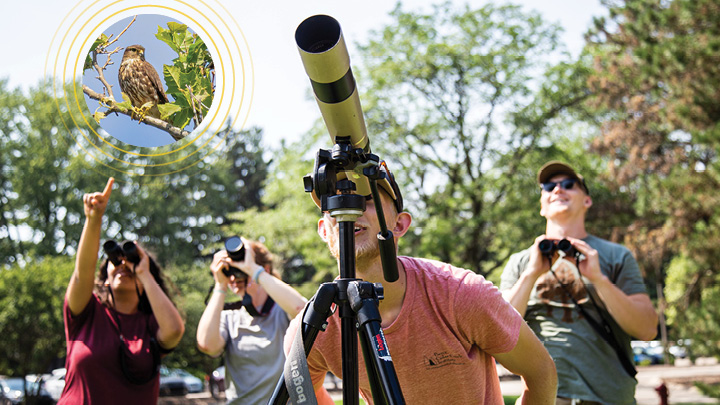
point(108, 187)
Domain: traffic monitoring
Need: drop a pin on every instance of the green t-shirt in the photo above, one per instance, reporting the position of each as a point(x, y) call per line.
point(587, 366)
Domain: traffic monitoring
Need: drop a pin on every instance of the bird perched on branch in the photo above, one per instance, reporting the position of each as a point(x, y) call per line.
point(141, 83)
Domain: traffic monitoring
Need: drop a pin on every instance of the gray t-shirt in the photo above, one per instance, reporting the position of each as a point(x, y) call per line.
point(587, 366)
point(254, 355)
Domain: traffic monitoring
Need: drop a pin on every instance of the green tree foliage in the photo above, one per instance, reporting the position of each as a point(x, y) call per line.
point(460, 101)
point(37, 181)
point(31, 299)
point(177, 216)
point(656, 75)
point(288, 225)
point(191, 78)
point(192, 281)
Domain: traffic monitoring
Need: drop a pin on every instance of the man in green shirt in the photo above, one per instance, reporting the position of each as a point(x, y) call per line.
point(562, 296)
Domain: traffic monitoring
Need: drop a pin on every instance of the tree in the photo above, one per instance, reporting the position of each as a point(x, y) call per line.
point(656, 75)
point(287, 223)
point(10, 110)
point(45, 175)
point(461, 103)
point(31, 300)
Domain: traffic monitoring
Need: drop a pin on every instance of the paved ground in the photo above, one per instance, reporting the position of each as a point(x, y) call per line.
point(678, 379)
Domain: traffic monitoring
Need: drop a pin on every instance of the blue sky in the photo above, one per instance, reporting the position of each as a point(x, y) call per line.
point(281, 102)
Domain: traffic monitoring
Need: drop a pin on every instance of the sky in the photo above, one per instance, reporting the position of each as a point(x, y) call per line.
point(276, 94)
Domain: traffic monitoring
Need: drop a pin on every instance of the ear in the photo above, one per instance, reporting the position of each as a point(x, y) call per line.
point(543, 210)
point(321, 228)
point(402, 224)
point(587, 202)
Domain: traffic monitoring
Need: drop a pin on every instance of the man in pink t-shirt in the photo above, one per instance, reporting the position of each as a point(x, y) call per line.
point(443, 324)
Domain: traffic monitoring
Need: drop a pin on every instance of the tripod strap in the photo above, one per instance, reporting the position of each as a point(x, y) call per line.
point(297, 374)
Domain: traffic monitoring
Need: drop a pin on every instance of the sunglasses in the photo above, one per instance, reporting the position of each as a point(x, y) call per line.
point(566, 184)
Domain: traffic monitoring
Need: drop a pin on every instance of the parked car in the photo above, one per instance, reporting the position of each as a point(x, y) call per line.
point(35, 387)
point(55, 383)
point(217, 382)
point(192, 383)
point(171, 385)
point(11, 390)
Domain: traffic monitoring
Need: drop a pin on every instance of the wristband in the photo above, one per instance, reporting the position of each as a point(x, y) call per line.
point(219, 290)
point(259, 271)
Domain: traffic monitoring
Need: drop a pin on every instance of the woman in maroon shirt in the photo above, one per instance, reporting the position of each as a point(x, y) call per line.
point(118, 326)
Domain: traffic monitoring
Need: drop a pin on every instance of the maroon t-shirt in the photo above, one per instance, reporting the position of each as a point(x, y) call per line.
point(94, 374)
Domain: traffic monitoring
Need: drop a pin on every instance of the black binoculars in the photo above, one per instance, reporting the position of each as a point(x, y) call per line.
point(549, 246)
point(236, 250)
point(116, 252)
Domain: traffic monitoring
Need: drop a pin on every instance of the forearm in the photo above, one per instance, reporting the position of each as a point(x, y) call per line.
point(171, 325)
point(634, 313)
point(208, 337)
point(541, 389)
point(81, 283)
point(519, 294)
point(291, 301)
point(530, 360)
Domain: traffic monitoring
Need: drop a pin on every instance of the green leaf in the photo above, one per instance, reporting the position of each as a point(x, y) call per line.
point(99, 116)
point(168, 109)
point(125, 105)
point(167, 37)
point(101, 40)
point(176, 27)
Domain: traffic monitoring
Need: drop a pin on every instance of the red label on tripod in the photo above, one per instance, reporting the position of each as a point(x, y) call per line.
point(381, 346)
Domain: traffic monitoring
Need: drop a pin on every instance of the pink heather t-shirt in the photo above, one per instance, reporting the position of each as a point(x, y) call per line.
point(451, 322)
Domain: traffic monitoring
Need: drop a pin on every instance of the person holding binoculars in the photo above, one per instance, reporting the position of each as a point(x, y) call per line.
point(117, 324)
point(249, 333)
point(588, 303)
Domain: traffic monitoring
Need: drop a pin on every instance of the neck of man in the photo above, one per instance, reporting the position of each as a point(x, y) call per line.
point(394, 293)
point(559, 228)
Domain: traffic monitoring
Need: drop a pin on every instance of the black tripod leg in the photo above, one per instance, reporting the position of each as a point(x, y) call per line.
point(314, 320)
point(381, 371)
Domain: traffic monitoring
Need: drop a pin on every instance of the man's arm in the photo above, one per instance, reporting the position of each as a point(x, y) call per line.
point(530, 360)
point(519, 294)
point(634, 313)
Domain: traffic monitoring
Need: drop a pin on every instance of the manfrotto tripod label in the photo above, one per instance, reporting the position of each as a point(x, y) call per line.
point(381, 346)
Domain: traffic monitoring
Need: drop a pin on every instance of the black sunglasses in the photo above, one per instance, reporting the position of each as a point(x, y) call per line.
point(566, 184)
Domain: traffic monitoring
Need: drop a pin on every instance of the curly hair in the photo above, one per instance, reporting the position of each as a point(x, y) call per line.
point(103, 292)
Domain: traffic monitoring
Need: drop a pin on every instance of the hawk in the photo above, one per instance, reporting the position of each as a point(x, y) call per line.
point(141, 82)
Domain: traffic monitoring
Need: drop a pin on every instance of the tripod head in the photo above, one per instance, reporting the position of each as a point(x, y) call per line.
point(337, 197)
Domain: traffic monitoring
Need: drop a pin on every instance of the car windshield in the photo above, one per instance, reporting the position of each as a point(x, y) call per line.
point(15, 383)
point(180, 372)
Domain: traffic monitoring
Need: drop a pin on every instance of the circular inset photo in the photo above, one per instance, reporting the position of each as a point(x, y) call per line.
point(148, 80)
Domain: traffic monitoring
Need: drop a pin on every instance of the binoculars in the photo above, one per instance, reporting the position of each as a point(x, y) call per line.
point(116, 252)
point(236, 250)
point(549, 246)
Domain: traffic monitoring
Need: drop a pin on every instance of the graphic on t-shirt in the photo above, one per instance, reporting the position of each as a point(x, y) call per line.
point(549, 291)
point(442, 359)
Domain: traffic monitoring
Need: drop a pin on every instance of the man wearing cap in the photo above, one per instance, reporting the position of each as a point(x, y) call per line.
point(584, 308)
point(443, 325)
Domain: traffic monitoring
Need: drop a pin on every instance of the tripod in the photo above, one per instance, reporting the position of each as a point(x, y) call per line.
point(357, 300)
